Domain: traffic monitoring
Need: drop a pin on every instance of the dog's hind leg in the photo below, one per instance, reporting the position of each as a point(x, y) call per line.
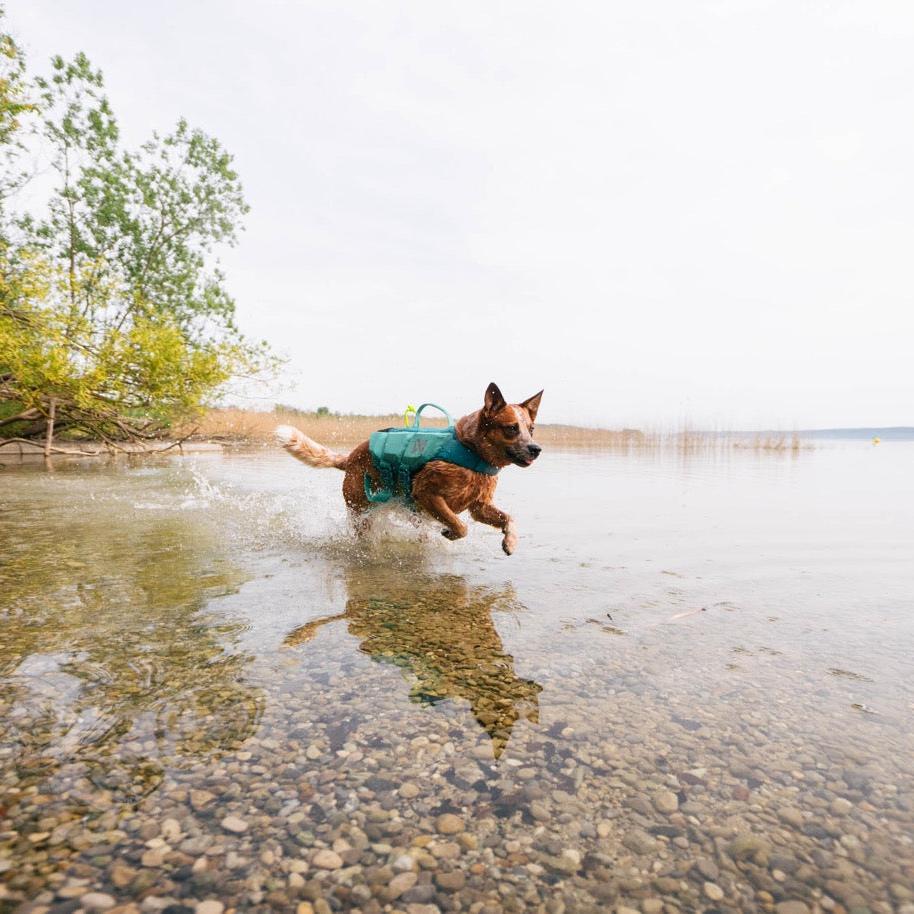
point(455, 528)
point(487, 513)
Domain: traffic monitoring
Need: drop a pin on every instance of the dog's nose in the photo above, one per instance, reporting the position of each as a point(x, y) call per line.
point(534, 450)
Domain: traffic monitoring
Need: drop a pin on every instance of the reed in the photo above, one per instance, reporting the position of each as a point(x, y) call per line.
point(249, 427)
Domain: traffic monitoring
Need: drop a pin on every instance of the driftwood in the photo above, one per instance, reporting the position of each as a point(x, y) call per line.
point(129, 448)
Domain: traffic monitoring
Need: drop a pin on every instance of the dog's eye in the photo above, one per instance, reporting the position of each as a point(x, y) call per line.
point(511, 430)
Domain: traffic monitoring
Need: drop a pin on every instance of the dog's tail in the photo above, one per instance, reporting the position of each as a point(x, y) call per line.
point(303, 448)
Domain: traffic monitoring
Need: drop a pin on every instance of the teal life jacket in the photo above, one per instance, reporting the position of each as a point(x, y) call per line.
point(399, 453)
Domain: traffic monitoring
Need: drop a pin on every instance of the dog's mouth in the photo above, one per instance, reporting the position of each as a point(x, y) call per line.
point(522, 458)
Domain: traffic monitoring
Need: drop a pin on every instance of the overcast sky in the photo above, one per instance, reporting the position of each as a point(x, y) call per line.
point(661, 212)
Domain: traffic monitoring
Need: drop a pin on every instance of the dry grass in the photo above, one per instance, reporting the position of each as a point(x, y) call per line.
point(240, 426)
point(243, 426)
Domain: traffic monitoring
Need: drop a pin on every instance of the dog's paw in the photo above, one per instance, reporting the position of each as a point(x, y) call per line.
point(509, 543)
point(449, 534)
point(284, 434)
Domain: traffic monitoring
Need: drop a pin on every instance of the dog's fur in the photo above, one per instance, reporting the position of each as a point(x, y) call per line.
point(500, 433)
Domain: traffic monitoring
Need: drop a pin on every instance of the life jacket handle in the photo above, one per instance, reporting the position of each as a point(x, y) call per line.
point(417, 415)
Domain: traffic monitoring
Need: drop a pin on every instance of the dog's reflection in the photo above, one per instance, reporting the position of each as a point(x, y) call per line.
point(440, 631)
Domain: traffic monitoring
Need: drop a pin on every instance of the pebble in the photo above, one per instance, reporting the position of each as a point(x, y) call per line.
point(639, 841)
point(665, 801)
point(452, 881)
point(792, 907)
point(750, 847)
point(840, 806)
point(713, 891)
point(401, 883)
point(200, 799)
point(171, 830)
point(326, 859)
point(449, 824)
point(791, 816)
point(209, 906)
point(409, 791)
point(96, 901)
point(234, 824)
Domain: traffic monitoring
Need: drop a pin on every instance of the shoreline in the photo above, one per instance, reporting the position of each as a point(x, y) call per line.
point(239, 428)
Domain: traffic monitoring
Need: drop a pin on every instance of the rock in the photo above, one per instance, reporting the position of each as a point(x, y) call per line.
point(405, 863)
point(121, 875)
point(639, 842)
point(713, 891)
point(199, 799)
point(665, 801)
point(234, 824)
point(154, 857)
point(792, 907)
point(400, 884)
point(840, 806)
point(750, 847)
point(468, 841)
point(96, 901)
point(304, 907)
point(449, 824)
point(210, 906)
point(171, 830)
point(326, 859)
point(408, 791)
point(791, 816)
point(652, 906)
point(640, 804)
point(451, 882)
point(540, 811)
point(446, 850)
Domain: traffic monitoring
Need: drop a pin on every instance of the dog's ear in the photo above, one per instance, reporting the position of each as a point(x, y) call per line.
point(532, 404)
point(494, 401)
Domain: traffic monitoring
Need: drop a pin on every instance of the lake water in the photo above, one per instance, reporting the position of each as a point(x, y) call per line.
point(691, 689)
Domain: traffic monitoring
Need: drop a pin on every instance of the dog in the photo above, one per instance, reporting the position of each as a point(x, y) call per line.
point(501, 434)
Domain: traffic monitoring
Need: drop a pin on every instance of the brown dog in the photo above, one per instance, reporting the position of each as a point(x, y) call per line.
point(499, 433)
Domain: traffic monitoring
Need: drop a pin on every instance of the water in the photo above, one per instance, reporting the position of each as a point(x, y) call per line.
point(689, 689)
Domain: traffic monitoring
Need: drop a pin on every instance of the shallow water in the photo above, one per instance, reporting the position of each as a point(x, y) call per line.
point(690, 689)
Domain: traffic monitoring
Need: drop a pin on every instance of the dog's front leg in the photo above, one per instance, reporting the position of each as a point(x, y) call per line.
point(487, 513)
point(455, 528)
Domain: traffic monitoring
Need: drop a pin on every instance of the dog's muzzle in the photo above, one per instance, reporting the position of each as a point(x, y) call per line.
point(524, 456)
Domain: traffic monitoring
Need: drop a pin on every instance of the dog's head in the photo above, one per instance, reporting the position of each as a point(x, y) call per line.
point(507, 429)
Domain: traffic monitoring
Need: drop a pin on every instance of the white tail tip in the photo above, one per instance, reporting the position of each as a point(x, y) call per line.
point(285, 434)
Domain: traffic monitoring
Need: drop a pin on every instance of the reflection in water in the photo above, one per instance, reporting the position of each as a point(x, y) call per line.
point(439, 629)
point(109, 665)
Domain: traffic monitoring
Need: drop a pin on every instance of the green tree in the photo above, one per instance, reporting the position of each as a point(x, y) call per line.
point(114, 317)
point(16, 105)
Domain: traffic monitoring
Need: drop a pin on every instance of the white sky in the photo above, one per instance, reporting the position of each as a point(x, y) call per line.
point(660, 211)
